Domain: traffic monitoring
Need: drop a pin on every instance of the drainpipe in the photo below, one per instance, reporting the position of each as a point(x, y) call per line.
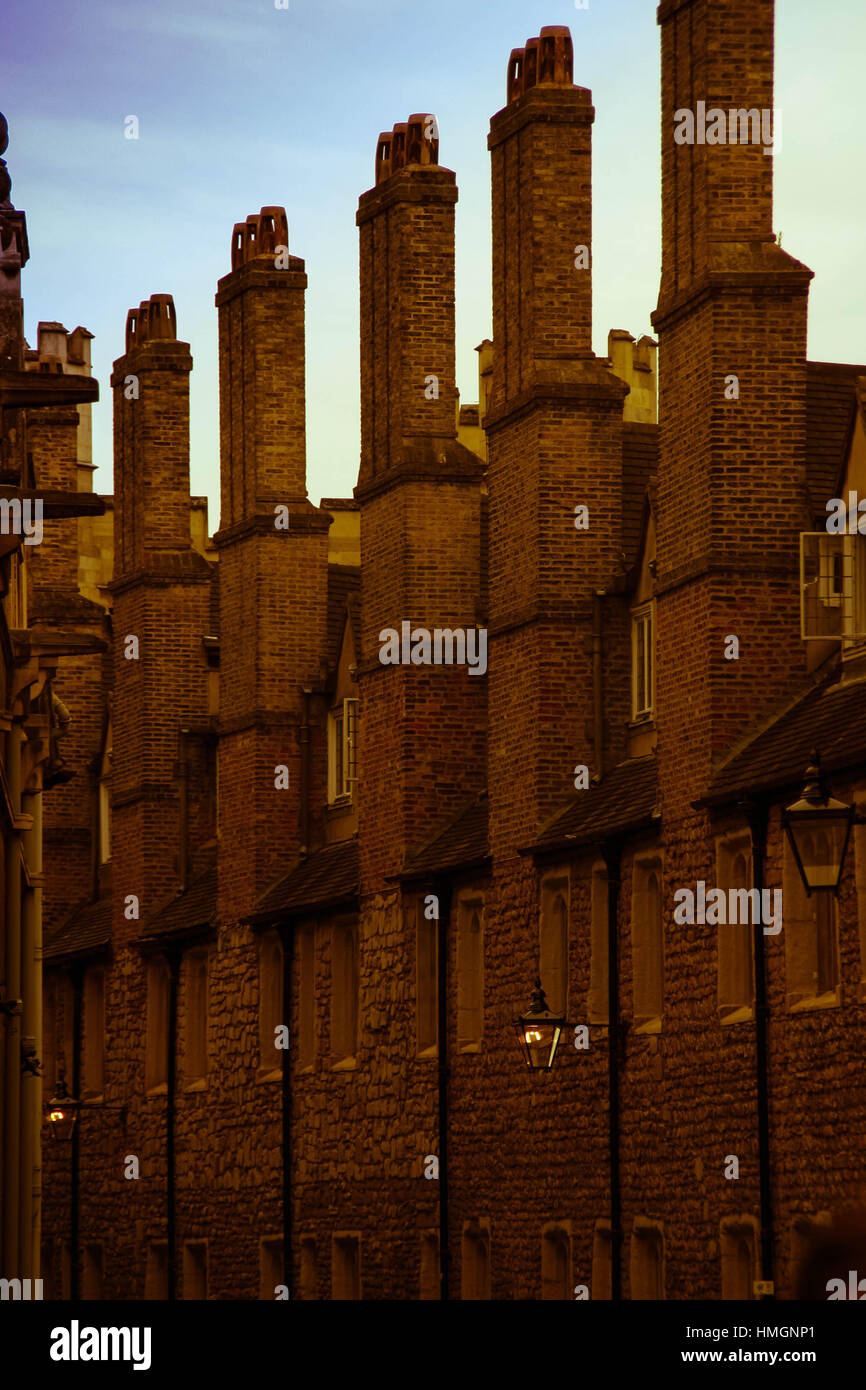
point(12, 1088)
point(442, 889)
point(76, 976)
point(170, 1103)
point(287, 938)
point(31, 1079)
point(305, 773)
point(757, 814)
point(183, 811)
point(612, 851)
point(597, 692)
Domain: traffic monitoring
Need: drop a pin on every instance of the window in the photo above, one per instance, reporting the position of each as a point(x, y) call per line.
point(46, 1266)
point(470, 974)
point(647, 1260)
point(553, 944)
point(195, 1269)
point(92, 1272)
point(810, 932)
point(344, 992)
point(475, 1264)
point(426, 981)
point(156, 1049)
point(736, 980)
point(647, 944)
point(270, 1001)
point(602, 1261)
point(156, 1270)
point(104, 821)
point(832, 587)
point(598, 963)
point(429, 1278)
point(270, 1266)
point(309, 1280)
point(104, 788)
point(738, 1257)
point(307, 997)
point(556, 1263)
point(643, 661)
point(94, 1032)
point(346, 1267)
point(195, 1016)
point(342, 749)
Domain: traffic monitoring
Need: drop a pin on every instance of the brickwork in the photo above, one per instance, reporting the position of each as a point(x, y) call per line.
point(709, 539)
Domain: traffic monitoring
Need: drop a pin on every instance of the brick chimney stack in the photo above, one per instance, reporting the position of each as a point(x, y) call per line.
point(273, 569)
point(420, 495)
point(161, 592)
point(731, 323)
point(554, 428)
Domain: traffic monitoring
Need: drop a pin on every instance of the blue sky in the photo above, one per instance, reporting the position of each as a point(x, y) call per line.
point(242, 104)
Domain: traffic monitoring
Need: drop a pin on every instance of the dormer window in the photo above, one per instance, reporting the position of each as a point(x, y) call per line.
point(832, 587)
point(643, 661)
point(342, 755)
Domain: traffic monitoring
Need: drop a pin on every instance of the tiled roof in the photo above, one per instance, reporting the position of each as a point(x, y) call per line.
point(325, 878)
point(461, 843)
point(829, 718)
point(87, 928)
point(830, 407)
point(196, 907)
point(640, 456)
point(626, 799)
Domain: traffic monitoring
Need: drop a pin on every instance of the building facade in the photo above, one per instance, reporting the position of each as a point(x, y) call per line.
point(349, 777)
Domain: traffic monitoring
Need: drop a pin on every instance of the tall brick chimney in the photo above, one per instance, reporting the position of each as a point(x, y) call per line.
point(731, 322)
point(161, 593)
point(273, 546)
point(554, 428)
point(421, 726)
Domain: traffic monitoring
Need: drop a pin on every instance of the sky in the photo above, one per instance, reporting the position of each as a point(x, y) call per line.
point(241, 104)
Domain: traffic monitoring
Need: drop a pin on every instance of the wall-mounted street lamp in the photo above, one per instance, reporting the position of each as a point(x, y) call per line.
point(61, 1113)
point(818, 829)
point(539, 1031)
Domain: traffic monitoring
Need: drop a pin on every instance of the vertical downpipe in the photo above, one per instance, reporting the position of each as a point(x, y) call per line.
point(613, 860)
point(758, 817)
point(287, 936)
point(443, 892)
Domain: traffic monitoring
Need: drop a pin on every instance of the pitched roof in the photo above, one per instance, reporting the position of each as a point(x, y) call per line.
point(831, 718)
point(830, 407)
point(187, 911)
point(626, 799)
point(86, 928)
point(325, 878)
point(461, 843)
point(344, 584)
point(640, 457)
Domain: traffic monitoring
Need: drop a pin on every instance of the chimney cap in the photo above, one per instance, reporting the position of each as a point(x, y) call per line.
point(261, 234)
point(547, 60)
point(412, 142)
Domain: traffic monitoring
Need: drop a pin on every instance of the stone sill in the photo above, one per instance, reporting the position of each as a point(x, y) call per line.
point(345, 1064)
point(744, 1014)
point(649, 1025)
point(471, 1047)
point(200, 1084)
point(269, 1074)
point(428, 1054)
point(797, 1004)
point(160, 1090)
